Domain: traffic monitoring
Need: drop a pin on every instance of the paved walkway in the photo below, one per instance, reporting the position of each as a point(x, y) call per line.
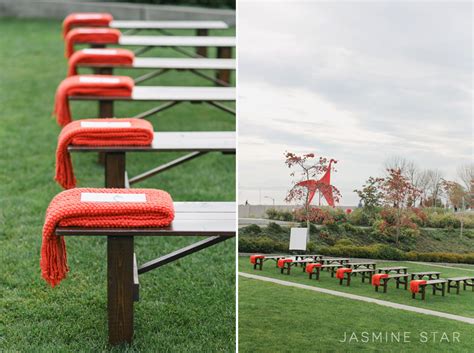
point(361, 298)
point(443, 266)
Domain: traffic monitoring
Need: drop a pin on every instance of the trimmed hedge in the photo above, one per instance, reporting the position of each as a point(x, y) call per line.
point(343, 249)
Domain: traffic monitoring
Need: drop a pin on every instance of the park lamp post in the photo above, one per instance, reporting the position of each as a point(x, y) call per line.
point(271, 198)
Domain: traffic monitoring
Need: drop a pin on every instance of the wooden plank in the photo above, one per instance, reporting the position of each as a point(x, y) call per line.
point(177, 41)
point(172, 64)
point(170, 93)
point(169, 24)
point(173, 93)
point(221, 141)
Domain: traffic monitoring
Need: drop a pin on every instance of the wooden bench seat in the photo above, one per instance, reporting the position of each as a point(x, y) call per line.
point(168, 24)
point(400, 278)
point(430, 274)
point(330, 267)
point(396, 269)
point(176, 41)
point(172, 95)
point(163, 65)
point(215, 220)
point(455, 282)
point(197, 143)
point(356, 265)
point(365, 273)
point(438, 285)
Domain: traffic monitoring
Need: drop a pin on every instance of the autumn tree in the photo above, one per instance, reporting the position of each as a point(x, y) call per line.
point(454, 192)
point(370, 194)
point(306, 168)
point(466, 174)
point(398, 192)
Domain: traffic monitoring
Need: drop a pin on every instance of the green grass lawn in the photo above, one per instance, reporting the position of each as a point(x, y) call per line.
point(185, 306)
point(275, 318)
point(462, 304)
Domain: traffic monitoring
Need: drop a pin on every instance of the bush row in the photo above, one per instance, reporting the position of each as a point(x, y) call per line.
point(423, 217)
point(379, 251)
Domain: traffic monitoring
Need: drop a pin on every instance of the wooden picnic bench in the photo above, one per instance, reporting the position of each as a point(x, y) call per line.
point(215, 220)
point(163, 65)
point(396, 269)
point(171, 95)
point(224, 46)
point(356, 265)
point(438, 285)
point(455, 282)
point(196, 143)
point(400, 278)
point(330, 267)
point(364, 272)
point(430, 274)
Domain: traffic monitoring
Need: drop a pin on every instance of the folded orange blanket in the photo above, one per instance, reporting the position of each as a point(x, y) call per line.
point(98, 208)
point(123, 57)
point(90, 35)
point(341, 271)
point(415, 285)
point(89, 85)
point(97, 132)
point(310, 267)
point(89, 19)
point(281, 262)
point(376, 278)
point(253, 258)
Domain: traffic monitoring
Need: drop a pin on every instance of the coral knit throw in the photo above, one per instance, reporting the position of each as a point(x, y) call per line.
point(98, 132)
point(415, 285)
point(88, 19)
point(253, 258)
point(376, 278)
point(340, 273)
point(311, 267)
point(89, 85)
point(105, 57)
point(90, 36)
point(101, 208)
point(281, 263)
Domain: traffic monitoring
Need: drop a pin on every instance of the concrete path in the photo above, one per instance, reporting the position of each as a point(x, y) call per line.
point(361, 298)
point(443, 266)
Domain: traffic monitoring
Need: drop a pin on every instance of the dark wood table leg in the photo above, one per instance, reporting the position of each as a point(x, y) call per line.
point(202, 51)
point(224, 53)
point(423, 292)
point(120, 282)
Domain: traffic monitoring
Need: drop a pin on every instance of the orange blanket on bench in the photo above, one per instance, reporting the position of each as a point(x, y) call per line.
point(281, 262)
point(415, 285)
point(310, 267)
point(87, 19)
point(89, 85)
point(112, 57)
point(341, 271)
point(253, 258)
point(98, 132)
point(376, 278)
point(87, 208)
point(91, 36)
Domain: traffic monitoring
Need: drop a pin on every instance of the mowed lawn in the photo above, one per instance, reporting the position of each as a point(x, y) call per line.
point(462, 304)
point(275, 318)
point(185, 306)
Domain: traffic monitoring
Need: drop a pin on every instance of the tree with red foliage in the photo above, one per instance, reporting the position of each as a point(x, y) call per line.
point(308, 167)
point(399, 193)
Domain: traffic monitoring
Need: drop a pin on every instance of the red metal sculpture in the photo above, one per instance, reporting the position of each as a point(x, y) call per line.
point(322, 185)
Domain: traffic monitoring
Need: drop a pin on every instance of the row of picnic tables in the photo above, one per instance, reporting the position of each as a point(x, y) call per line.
point(315, 263)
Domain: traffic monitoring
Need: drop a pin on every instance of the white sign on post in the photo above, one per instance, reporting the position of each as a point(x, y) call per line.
point(298, 238)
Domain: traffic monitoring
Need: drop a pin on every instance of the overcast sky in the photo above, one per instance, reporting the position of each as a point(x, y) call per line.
point(355, 81)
